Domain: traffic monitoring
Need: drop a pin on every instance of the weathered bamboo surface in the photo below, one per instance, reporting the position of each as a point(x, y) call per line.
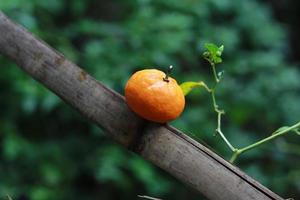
point(166, 147)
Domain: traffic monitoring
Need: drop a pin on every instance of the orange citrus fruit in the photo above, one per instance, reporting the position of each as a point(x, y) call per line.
point(154, 96)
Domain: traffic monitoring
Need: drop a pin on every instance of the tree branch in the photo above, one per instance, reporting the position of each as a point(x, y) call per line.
point(166, 147)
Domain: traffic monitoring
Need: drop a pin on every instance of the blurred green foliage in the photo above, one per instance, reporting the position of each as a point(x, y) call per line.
point(49, 152)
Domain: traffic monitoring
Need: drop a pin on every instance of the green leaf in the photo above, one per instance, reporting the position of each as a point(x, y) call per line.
point(212, 48)
point(189, 85)
point(280, 129)
point(213, 53)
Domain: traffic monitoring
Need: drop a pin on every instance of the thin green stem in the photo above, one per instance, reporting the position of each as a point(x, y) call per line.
point(214, 100)
point(213, 57)
point(215, 72)
point(219, 115)
point(234, 156)
point(273, 136)
point(216, 107)
point(260, 142)
point(201, 83)
point(218, 130)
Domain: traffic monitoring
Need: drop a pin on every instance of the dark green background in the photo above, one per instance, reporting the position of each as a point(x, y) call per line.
point(48, 151)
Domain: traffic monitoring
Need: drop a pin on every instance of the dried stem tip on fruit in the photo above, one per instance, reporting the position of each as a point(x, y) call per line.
point(166, 78)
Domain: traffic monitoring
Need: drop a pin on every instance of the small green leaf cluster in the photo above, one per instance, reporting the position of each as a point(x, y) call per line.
point(213, 53)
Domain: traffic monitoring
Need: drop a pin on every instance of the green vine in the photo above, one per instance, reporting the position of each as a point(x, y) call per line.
point(213, 56)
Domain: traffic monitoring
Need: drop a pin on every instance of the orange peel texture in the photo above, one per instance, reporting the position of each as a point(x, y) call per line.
point(152, 97)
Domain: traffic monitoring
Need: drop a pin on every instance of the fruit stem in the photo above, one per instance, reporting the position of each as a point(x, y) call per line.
point(166, 78)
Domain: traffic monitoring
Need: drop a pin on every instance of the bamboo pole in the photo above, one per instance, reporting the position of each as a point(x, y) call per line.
point(163, 145)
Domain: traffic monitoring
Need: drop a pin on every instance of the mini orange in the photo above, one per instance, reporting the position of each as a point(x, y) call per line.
point(154, 95)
